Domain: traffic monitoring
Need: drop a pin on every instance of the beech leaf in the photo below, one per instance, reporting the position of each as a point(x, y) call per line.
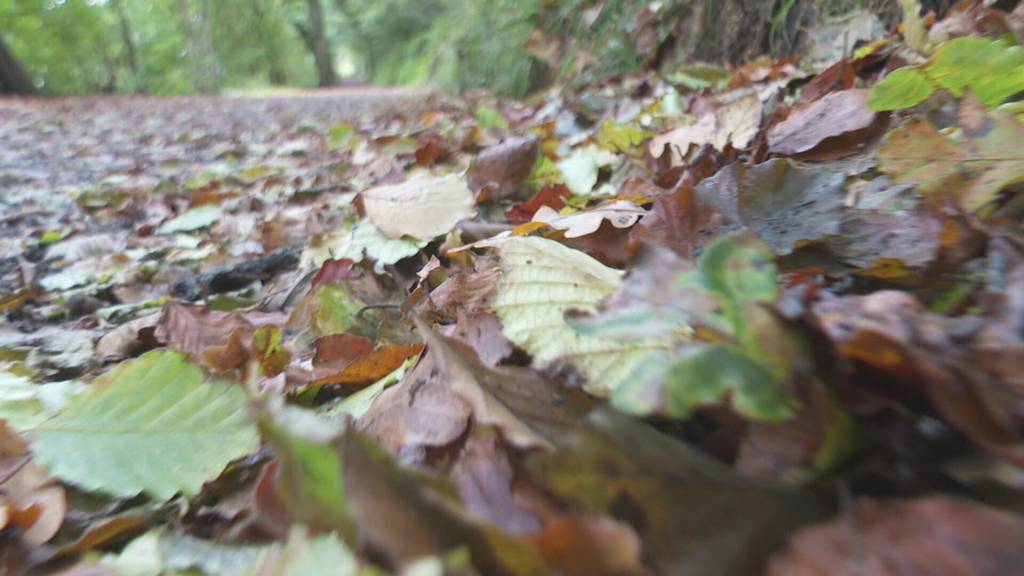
point(151, 425)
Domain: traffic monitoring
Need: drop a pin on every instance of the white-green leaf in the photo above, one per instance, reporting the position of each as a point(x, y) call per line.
point(540, 280)
point(192, 219)
point(152, 425)
point(24, 404)
point(160, 552)
point(368, 242)
point(303, 555)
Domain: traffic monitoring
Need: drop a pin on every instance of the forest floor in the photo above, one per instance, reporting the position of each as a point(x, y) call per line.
point(726, 322)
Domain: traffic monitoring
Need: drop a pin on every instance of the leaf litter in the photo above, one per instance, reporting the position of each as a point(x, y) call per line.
point(770, 323)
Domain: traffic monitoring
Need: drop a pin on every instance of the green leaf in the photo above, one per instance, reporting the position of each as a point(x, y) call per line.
point(992, 69)
point(151, 425)
point(24, 404)
point(540, 280)
point(310, 480)
point(622, 138)
point(337, 310)
point(489, 117)
point(739, 269)
point(191, 220)
point(159, 552)
point(902, 88)
point(342, 136)
point(709, 374)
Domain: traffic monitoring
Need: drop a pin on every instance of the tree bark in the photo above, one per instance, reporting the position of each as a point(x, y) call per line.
point(317, 41)
point(13, 77)
point(129, 44)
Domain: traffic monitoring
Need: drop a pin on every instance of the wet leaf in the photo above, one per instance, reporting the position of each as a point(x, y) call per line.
point(783, 203)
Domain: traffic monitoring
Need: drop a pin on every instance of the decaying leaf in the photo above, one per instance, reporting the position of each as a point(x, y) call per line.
point(901, 538)
point(783, 203)
point(973, 171)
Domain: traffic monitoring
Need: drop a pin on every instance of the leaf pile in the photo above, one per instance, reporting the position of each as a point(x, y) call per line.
point(660, 325)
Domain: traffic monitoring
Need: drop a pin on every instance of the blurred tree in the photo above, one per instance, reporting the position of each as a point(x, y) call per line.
point(313, 34)
point(131, 57)
point(13, 77)
point(195, 25)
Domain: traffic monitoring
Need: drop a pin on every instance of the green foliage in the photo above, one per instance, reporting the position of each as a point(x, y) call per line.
point(309, 479)
point(77, 46)
point(991, 69)
point(748, 359)
point(151, 425)
point(705, 374)
point(901, 89)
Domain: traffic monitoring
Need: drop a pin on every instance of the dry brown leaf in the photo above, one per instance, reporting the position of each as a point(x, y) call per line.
point(834, 114)
point(591, 546)
point(369, 368)
point(498, 172)
point(933, 536)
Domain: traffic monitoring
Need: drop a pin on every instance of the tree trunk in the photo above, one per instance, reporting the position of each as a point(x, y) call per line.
point(13, 77)
point(129, 44)
point(325, 73)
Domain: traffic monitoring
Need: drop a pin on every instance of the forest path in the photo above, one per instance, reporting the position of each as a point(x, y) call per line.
point(51, 144)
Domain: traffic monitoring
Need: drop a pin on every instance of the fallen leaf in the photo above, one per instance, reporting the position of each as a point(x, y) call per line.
point(900, 538)
point(834, 114)
point(368, 368)
point(421, 208)
point(734, 123)
point(121, 441)
point(973, 171)
point(783, 203)
point(542, 279)
point(621, 214)
point(192, 220)
point(498, 172)
point(591, 546)
point(552, 196)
